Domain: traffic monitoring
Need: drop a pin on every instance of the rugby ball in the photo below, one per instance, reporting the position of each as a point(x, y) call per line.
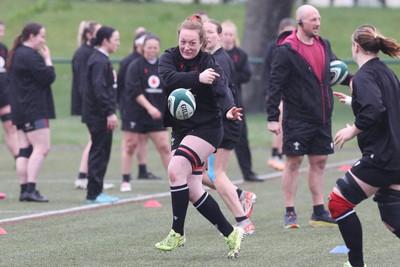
point(181, 104)
point(339, 72)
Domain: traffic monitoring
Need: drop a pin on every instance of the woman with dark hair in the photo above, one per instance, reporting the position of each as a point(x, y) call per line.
point(194, 139)
point(87, 31)
point(99, 107)
point(375, 103)
point(31, 73)
point(144, 102)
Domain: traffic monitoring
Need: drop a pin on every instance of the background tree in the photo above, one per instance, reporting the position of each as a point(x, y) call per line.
point(261, 25)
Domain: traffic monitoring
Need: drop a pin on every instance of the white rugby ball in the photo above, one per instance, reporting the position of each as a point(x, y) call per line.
point(181, 104)
point(339, 72)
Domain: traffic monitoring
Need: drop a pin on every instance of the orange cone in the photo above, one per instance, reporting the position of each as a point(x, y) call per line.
point(152, 204)
point(345, 168)
point(2, 231)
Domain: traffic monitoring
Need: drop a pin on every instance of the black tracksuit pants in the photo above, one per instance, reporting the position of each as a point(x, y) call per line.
point(99, 156)
point(242, 151)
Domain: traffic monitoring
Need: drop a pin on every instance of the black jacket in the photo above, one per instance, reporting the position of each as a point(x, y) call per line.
point(79, 61)
point(176, 72)
point(142, 78)
point(30, 91)
point(305, 98)
point(376, 106)
point(100, 96)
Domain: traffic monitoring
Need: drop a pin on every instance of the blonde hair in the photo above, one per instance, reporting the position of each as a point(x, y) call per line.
point(371, 40)
point(229, 23)
point(85, 27)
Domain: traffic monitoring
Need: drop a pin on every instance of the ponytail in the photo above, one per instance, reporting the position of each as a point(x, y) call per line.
point(29, 29)
point(371, 40)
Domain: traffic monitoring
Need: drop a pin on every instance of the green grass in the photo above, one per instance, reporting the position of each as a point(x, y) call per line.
point(124, 235)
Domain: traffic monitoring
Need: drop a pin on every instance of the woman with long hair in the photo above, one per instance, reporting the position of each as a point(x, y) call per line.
point(31, 73)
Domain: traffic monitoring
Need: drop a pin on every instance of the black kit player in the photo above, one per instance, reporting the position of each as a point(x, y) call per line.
point(194, 139)
point(375, 104)
point(243, 75)
point(10, 130)
point(143, 101)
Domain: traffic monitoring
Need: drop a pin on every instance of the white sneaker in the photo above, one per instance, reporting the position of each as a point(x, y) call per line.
point(125, 187)
point(81, 183)
point(107, 186)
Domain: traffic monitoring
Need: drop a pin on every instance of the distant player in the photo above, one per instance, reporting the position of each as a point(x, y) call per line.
point(10, 130)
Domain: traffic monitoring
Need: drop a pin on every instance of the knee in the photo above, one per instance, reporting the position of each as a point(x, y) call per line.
point(339, 207)
point(130, 147)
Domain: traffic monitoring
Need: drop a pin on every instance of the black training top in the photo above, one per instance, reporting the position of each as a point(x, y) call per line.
point(29, 84)
point(79, 61)
point(231, 128)
point(100, 96)
point(123, 66)
point(375, 103)
point(142, 78)
point(3, 78)
point(177, 72)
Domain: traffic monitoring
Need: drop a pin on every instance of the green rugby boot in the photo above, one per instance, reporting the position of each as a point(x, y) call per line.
point(233, 241)
point(172, 241)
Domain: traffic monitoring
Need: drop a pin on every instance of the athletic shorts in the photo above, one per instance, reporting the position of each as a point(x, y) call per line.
point(373, 175)
point(134, 127)
point(305, 138)
point(228, 144)
point(210, 135)
point(32, 126)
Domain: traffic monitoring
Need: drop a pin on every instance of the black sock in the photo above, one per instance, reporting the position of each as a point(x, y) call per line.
point(319, 209)
point(126, 178)
point(142, 169)
point(82, 175)
point(240, 219)
point(23, 188)
point(180, 202)
point(209, 208)
point(274, 152)
point(239, 192)
point(30, 187)
point(289, 209)
point(351, 230)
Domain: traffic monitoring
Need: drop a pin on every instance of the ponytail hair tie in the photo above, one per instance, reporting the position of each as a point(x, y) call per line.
point(196, 18)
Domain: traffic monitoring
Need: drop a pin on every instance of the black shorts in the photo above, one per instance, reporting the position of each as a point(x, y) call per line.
point(373, 175)
point(305, 138)
point(32, 126)
point(210, 135)
point(4, 101)
point(134, 127)
point(228, 144)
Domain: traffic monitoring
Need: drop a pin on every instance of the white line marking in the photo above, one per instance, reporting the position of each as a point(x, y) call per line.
point(140, 198)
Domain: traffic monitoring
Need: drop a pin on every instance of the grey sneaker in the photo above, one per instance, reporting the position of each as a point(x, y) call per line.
point(291, 220)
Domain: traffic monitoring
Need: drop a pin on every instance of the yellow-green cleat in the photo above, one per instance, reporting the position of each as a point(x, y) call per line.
point(172, 241)
point(234, 241)
point(347, 264)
